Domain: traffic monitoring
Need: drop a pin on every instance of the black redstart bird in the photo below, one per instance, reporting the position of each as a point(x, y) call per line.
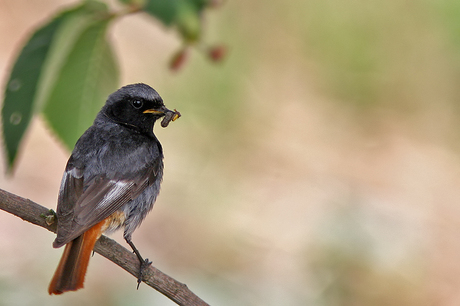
point(111, 180)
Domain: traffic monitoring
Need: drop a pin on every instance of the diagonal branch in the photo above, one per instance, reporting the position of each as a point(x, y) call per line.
point(32, 212)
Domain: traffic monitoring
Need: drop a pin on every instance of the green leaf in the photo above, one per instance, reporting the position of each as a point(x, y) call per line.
point(133, 2)
point(185, 14)
point(71, 28)
point(22, 86)
point(88, 75)
point(32, 74)
point(200, 4)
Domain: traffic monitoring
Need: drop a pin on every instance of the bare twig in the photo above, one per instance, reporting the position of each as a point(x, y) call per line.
point(174, 290)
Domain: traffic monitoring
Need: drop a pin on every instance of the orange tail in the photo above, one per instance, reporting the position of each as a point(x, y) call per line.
point(71, 271)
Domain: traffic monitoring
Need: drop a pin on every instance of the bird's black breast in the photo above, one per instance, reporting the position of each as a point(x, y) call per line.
point(115, 152)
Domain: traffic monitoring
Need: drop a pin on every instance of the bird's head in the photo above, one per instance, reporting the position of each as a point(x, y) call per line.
point(137, 106)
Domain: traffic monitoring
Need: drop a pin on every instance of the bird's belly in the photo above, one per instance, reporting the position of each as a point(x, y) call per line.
point(114, 222)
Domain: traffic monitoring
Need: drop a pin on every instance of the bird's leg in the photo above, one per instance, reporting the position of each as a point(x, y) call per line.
point(144, 263)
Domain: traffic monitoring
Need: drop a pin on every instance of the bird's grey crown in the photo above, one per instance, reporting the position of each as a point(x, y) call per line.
point(135, 91)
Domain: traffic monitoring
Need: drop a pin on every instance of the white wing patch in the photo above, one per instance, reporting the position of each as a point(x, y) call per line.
point(118, 191)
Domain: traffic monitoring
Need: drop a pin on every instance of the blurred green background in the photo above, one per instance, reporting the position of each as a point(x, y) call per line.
point(317, 165)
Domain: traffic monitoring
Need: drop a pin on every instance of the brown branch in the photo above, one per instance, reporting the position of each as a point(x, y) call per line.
point(174, 290)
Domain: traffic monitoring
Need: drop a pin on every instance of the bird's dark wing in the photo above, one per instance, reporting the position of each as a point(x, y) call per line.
point(82, 204)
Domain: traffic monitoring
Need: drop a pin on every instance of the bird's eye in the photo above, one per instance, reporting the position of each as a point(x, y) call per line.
point(137, 104)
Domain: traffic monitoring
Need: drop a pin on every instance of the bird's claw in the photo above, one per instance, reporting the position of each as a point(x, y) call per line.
point(143, 266)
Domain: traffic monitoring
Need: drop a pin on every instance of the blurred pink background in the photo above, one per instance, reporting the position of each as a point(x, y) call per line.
point(317, 165)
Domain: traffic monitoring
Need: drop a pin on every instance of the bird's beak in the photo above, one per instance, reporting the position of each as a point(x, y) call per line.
point(161, 111)
point(169, 115)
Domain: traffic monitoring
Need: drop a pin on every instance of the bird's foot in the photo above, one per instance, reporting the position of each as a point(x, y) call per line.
point(144, 265)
